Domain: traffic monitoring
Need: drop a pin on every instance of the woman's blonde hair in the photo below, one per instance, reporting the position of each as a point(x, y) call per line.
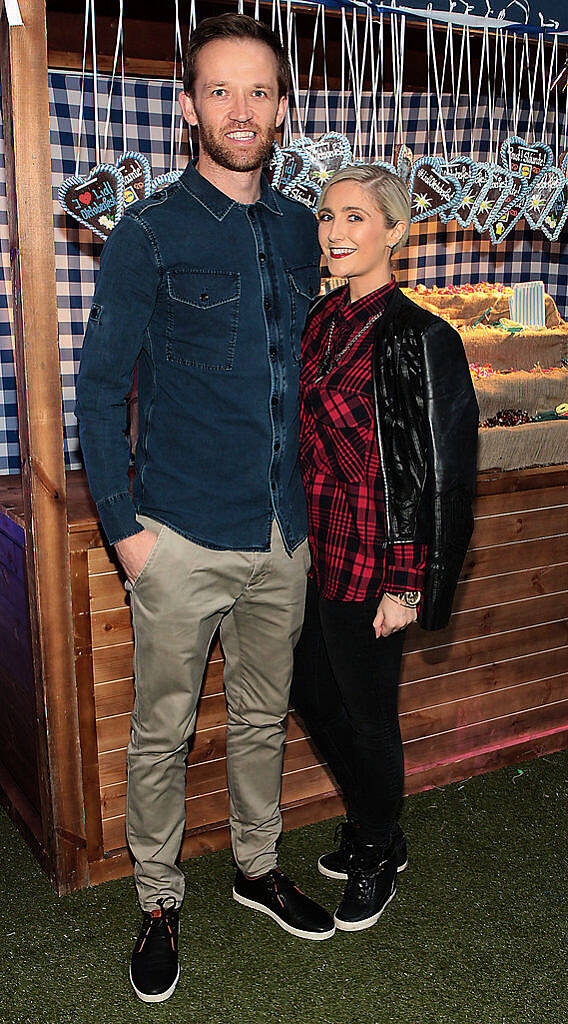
point(385, 189)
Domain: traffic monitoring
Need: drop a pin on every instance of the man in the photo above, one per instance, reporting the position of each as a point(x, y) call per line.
point(207, 284)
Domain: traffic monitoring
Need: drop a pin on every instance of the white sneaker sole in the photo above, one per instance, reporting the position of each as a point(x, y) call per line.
point(314, 936)
point(359, 926)
point(160, 997)
point(342, 875)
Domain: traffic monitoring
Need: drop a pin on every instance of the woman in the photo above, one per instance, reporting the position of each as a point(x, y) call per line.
point(388, 441)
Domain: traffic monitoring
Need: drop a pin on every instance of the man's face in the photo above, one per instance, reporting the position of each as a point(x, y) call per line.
point(235, 102)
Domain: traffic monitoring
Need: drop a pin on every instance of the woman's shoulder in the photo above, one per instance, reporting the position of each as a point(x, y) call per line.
point(420, 319)
point(325, 304)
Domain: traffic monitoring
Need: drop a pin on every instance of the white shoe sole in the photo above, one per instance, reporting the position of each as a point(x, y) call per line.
point(359, 926)
point(341, 876)
point(314, 936)
point(160, 997)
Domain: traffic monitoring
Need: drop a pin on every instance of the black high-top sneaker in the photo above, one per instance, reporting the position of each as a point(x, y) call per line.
point(371, 885)
point(334, 864)
point(154, 968)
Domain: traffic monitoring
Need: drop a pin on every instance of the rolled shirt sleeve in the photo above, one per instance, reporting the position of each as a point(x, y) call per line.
point(405, 565)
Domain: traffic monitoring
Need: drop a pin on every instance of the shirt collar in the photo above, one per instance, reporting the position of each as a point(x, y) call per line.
point(358, 312)
point(216, 202)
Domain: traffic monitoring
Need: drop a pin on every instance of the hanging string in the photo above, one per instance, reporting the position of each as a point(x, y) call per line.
point(382, 44)
point(428, 89)
point(361, 81)
point(95, 84)
point(457, 95)
point(343, 38)
point(293, 67)
point(547, 88)
point(324, 57)
point(119, 47)
point(319, 12)
point(398, 134)
point(490, 96)
point(439, 97)
point(440, 114)
point(556, 110)
point(178, 49)
point(481, 64)
point(532, 89)
point(505, 111)
point(469, 90)
point(373, 139)
point(82, 99)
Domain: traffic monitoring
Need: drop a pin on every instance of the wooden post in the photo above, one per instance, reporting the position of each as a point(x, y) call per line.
point(25, 107)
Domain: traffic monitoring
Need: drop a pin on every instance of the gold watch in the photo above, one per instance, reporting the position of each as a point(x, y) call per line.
point(411, 599)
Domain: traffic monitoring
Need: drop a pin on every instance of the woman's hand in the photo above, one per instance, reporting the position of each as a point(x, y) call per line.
point(392, 616)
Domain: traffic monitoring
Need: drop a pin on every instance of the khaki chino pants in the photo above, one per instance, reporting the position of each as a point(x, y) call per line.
point(183, 594)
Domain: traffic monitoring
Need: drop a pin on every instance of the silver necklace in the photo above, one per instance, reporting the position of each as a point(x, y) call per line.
point(328, 362)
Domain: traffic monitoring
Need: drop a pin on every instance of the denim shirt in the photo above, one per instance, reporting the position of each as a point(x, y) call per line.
point(210, 296)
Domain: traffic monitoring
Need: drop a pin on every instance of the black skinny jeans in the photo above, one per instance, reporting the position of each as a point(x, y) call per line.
point(345, 687)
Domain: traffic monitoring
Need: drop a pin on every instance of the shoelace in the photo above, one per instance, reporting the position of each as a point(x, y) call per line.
point(157, 919)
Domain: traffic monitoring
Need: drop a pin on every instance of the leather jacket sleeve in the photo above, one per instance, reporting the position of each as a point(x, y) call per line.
point(451, 420)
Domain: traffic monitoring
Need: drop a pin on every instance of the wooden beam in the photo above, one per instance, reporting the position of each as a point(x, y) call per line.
point(25, 107)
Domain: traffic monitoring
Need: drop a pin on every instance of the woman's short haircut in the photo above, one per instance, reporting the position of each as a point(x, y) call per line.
point(386, 190)
point(234, 26)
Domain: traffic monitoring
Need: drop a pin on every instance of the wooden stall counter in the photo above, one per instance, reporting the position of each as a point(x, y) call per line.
point(489, 690)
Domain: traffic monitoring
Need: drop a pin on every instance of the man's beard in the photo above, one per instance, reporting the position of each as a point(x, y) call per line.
point(222, 153)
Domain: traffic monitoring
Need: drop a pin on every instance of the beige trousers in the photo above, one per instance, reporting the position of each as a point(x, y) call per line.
point(183, 594)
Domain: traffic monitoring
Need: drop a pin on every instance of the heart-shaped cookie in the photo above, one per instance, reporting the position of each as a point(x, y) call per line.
point(492, 197)
point(553, 224)
point(290, 166)
point(403, 160)
point(325, 155)
point(431, 191)
point(96, 201)
point(461, 168)
point(547, 188)
point(137, 175)
point(524, 159)
point(472, 192)
point(304, 192)
point(511, 211)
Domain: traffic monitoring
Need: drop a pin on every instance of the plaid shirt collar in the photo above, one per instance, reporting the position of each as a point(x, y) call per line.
point(355, 314)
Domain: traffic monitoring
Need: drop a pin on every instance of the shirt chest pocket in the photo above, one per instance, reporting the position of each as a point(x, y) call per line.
point(203, 317)
point(303, 285)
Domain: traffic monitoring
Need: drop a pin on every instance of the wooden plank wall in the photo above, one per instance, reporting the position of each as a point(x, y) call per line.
point(488, 690)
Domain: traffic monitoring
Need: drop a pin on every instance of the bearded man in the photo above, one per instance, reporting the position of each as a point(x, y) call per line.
point(206, 285)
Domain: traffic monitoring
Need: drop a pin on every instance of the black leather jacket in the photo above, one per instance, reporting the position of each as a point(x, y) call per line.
point(427, 422)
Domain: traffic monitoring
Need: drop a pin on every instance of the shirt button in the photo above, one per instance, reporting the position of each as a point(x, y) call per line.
point(204, 297)
point(277, 446)
point(273, 352)
point(275, 400)
point(262, 257)
point(251, 213)
point(267, 305)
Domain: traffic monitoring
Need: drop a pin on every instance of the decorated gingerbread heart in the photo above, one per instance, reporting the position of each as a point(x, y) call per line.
point(524, 159)
point(291, 166)
point(325, 155)
point(472, 192)
point(431, 191)
point(511, 211)
point(137, 176)
point(461, 168)
point(304, 192)
point(492, 197)
point(547, 188)
point(556, 217)
point(403, 160)
point(96, 201)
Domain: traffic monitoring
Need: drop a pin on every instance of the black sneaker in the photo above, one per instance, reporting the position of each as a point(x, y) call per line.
point(371, 885)
point(274, 894)
point(154, 968)
point(335, 864)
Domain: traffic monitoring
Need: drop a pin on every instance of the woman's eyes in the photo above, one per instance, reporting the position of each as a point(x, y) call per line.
point(324, 217)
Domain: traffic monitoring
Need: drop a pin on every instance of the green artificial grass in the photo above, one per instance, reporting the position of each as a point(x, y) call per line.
point(472, 937)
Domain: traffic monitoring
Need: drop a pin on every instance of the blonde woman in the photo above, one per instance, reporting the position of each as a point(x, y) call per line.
point(387, 453)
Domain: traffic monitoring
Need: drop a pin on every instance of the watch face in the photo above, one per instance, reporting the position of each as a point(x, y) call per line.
point(412, 598)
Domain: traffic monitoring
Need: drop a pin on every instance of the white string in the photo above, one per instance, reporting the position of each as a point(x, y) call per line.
point(177, 43)
point(565, 142)
point(439, 97)
point(362, 79)
point(257, 10)
point(429, 87)
point(439, 122)
point(556, 110)
point(400, 52)
point(325, 88)
point(319, 12)
point(382, 45)
point(95, 85)
point(532, 88)
point(481, 64)
point(457, 97)
point(546, 92)
point(118, 47)
point(82, 100)
point(470, 95)
point(490, 96)
point(343, 36)
point(277, 13)
point(354, 73)
point(504, 83)
point(373, 134)
point(293, 68)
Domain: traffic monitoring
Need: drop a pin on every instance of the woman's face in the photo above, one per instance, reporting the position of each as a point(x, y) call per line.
point(354, 237)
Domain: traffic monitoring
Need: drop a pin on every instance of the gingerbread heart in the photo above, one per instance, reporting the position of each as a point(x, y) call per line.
point(547, 188)
point(403, 159)
point(556, 217)
point(524, 159)
point(137, 175)
point(492, 197)
point(461, 168)
point(96, 201)
point(511, 211)
point(472, 191)
point(325, 155)
point(290, 167)
point(431, 191)
point(303, 192)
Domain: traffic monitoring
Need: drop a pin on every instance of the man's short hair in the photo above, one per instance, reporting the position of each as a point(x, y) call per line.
point(234, 26)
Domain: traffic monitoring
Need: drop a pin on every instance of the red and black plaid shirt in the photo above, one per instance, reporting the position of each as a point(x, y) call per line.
point(339, 459)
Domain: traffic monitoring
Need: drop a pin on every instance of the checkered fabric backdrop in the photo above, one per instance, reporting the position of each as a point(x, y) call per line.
point(436, 254)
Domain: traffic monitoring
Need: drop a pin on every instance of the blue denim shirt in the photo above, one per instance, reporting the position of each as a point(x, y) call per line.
point(210, 296)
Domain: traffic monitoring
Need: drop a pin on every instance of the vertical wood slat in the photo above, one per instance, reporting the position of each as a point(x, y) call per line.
point(25, 107)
